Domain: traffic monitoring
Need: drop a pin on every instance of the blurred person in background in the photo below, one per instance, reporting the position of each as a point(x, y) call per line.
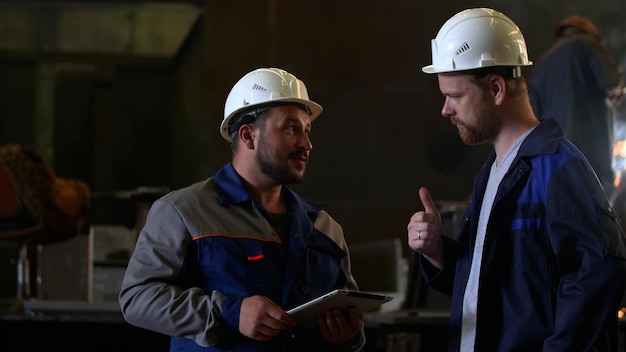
point(575, 82)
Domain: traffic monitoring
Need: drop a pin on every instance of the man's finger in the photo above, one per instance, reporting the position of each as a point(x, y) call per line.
point(427, 201)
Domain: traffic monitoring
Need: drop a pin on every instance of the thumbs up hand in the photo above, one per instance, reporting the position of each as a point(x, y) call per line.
point(425, 230)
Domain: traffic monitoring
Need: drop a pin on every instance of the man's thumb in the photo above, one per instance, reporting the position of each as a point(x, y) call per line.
point(427, 201)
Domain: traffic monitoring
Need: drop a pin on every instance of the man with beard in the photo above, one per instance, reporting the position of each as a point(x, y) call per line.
point(218, 262)
point(539, 262)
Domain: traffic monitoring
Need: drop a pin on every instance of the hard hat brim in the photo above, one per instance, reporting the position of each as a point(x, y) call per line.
point(429, 69)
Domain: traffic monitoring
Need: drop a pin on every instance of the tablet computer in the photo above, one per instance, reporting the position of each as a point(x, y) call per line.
point(341, 298)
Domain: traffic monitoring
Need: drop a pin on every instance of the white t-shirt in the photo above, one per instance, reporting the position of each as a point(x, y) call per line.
point(470, 299)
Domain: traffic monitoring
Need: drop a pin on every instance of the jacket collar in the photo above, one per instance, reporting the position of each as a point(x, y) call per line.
point(544, 139)
point(231, 190)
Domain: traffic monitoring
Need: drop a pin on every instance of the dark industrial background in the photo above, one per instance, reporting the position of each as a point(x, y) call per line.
point(130, 94)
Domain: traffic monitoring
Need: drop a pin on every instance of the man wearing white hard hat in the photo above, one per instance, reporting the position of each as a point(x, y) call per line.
point(219, 262)
point(539, 263)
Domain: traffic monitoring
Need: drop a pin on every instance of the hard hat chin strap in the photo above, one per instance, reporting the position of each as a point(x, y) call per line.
point(508, 72)
point(245, 118)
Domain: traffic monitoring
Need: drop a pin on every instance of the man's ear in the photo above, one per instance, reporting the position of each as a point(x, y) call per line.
point(246, 135)
point(498, 88)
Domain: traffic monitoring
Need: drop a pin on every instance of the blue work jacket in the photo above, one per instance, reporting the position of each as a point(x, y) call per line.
point(206, 247)
point(553, 266)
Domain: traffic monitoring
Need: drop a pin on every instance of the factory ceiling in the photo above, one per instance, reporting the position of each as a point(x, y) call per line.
point(126, 32)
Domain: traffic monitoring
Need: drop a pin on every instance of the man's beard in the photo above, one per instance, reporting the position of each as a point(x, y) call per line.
point(273, 169)
point(483, 130)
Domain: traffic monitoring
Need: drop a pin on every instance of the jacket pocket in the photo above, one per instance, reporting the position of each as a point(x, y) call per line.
point(323, 266)
point(236, 266)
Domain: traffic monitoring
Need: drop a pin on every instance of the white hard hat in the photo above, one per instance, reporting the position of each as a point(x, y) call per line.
point(261, 88)
point(476, 38)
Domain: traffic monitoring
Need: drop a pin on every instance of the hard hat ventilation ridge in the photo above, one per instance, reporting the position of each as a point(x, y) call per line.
point(258, 87)
point(465, 47)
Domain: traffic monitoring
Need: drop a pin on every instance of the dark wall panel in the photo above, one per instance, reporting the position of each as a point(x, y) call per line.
point(131, 123)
